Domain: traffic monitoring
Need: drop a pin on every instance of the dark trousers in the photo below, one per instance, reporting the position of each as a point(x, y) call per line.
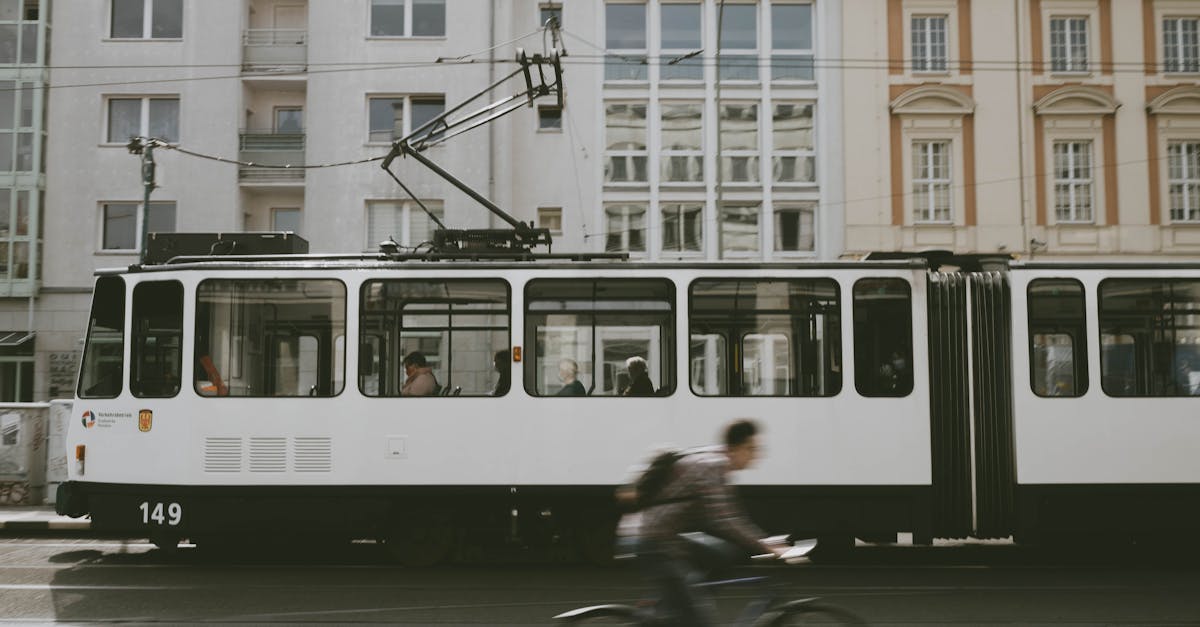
point(680, 603)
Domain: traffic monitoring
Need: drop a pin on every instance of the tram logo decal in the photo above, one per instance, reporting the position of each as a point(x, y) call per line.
point(108, 419)
point(145, 420)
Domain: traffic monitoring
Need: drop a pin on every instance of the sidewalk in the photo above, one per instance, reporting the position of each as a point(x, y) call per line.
point(20, 518)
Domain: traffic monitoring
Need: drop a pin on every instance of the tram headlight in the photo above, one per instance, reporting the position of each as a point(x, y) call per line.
point(80, 454)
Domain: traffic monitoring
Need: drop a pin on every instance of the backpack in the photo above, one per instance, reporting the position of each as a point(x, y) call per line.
point(644, 490)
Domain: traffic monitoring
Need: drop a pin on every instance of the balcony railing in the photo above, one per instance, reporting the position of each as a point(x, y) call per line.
point(270, 148)
point(275, 50)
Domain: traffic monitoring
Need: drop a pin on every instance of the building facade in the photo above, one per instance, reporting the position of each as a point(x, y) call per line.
point(693, 130)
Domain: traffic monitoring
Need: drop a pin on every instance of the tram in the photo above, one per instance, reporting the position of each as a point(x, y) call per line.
point(232, 396)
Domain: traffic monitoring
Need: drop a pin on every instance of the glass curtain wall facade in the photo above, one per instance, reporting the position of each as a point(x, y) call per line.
point(710, 155)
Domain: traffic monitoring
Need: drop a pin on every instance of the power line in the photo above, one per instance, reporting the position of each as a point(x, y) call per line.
point(161, 143)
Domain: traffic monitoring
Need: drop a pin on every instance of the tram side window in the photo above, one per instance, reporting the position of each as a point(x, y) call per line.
point(104, 351)
point(587, 331)
point(883, 337)
point(270, 337)
point(1150, 337)
point(157, 339)
point(1057, 338)
point(457, 326)
point(767, 337)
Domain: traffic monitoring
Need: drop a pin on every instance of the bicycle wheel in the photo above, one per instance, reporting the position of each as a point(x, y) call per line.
point(811, 613)
point(602, 615)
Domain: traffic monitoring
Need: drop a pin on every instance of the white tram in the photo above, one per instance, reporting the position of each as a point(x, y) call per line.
point(227, 396)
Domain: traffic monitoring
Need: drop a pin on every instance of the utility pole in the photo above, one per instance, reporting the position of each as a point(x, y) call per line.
point(144, 146)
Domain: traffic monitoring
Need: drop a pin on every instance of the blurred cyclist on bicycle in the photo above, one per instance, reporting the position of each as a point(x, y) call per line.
point(697, 498)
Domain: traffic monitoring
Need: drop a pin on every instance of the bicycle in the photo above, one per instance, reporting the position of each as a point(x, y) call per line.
point(765, 611)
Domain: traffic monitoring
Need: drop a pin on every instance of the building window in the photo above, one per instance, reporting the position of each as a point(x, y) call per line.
point(549, 118)
point(682, 157)
point(626, 228)
point(625, 142)
point(19, 41)
point(929, 43)
point(793, 159)
point(1073, 181)
point(681, 38)
point(16, 126)
point(403, 221)
point(386, 119)
point(1183, 167)
point(550, 218)
point(289, 119)
point(739, 228)
point(683, 227)
point(142, 117)
point(285, 219)
point(739, 143)
point(931, 182)
point(547, 11)
point(147, 19)
point(120, 230)
point(1068, 44)
point(16, 232)
point(791, 42)
point(795, 229)
point(625, 41)
point(408, 18)
point(1181, 44)
point(739, 42)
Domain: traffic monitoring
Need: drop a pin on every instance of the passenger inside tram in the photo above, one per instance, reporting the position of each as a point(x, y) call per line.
point(420, 380)
point(568, 370)
point(639, 378)
point(503, 370)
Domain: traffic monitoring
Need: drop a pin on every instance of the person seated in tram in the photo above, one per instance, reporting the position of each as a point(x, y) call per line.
point(639, 378)
point(567, 371)
point(420, 381)
point(500, 362)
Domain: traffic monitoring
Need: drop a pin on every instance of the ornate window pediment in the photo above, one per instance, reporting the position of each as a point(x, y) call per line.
point(934, 100)
point(1076, 100)
point(1179, 101)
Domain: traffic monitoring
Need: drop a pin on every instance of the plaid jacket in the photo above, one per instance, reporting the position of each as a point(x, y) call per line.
point(698, 498)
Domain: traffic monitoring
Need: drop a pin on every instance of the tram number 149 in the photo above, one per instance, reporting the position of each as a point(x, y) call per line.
point(161, 513)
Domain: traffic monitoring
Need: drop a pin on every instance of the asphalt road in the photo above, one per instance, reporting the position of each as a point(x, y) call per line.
point(76, 581)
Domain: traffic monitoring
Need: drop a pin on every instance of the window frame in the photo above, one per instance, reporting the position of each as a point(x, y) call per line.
point(116, 281)
point(745, 330)
point(545, 112)
point(407, 114)
point(690, 155)
point(408, 23)
point(859, 368)
point(627, 56)
point(144, 122)
point(679, 208)
point(739, 56)
point(1101, 331)
point(630, 156)
point(546, 212)
point(1069, 64)
point(727, 205)
point(445, 380)
point(928, 213)
point(754, 155)
point(667, 54)
point(1179, 63)
point(1079, 348)
point(1072, 183)
point(928, 62)
point(138, 216)
point(407, 207)
point(778, 53)
point(1190, 211)
point(667, 350)
point(800, 154)
point(241, 367)
point(134, 386)
point(780, 207)
point(147, 23)
point(626, 218)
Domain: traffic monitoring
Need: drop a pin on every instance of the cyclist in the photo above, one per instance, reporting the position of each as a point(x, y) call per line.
point(697, 498)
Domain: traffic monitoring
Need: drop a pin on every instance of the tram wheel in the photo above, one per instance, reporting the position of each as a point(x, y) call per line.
point(422, 542)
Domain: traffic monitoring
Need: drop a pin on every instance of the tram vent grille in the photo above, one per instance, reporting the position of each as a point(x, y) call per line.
point(312, 455)
point(268, 454)
point(222, 454)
